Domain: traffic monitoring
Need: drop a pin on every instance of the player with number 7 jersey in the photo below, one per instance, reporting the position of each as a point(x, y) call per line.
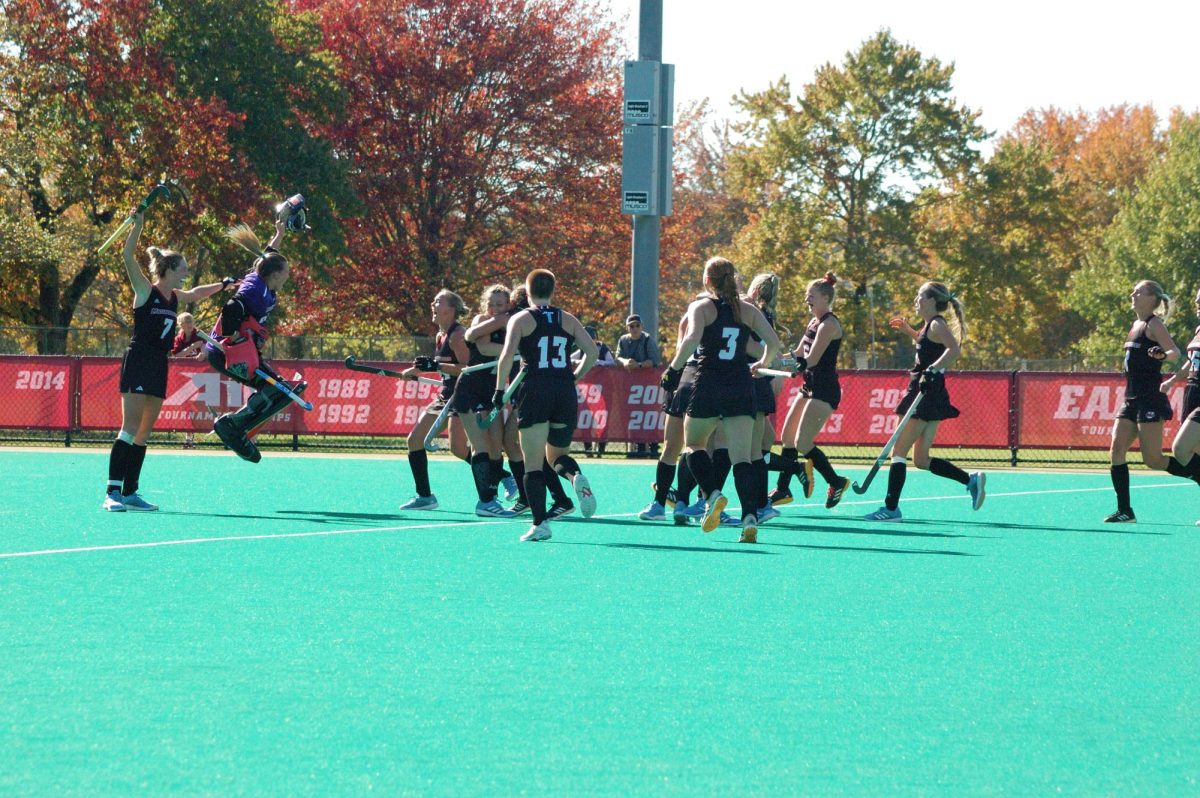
point(144, 368)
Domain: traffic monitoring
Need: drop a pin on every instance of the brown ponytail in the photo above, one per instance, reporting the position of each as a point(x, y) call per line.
point(722, 276)
point(944, 298)
point(162, 261)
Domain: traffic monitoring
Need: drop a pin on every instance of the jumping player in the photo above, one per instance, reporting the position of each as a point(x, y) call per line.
point(144, 369)
point(1147, 347)
point(937, 349)
point(816, 359)
point(719, 326)
point(546, 402)
point(450, 353)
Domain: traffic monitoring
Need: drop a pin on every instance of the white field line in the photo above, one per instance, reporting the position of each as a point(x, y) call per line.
point(490, 522)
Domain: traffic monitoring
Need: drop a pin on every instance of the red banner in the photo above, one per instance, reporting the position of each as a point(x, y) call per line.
point(999, 409)
point(1076, 411)
point(866, 414)
point(35, 392)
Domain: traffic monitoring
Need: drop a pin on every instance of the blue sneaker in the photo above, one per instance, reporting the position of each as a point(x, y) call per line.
point(509, 483)
point(420, 503)
point(493, 509)
point(113, 503)
point(767, 513)
point(713, 515)
point(653, 512)
point(729, 520)
point(975, 488)
point(137, 503)
point(693, 512)
point(884, 514)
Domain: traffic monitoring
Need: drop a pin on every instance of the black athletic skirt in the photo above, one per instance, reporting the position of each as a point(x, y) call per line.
point(1148, 408)
point(824, 386)
point(722, 395)
point(473, 392)
point(144, 371)
point(552, 400)
point(676, 402)
point(764, 395)
point(934, 407)
point(1191, 398)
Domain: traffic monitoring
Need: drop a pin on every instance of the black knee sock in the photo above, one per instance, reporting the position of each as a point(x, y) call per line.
point(896, 475)
point(664, 476)
point(787, 464)
point(481, 470)
point(721, 466)
point(535, 489)
point(117, 460)
point(760, 483)
point(1189, 470)
point(747, 491)
point(496, 467)
point(566, 466)
point(822, 464)
point(518, 471)
point(948, 470)
point(133, 469)
point(554, 486)
point(685, 482)
point(701, 467)
point(1120, 482)
point(418, 461)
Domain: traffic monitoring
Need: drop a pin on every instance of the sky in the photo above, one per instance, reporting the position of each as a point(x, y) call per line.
point(1009, 57)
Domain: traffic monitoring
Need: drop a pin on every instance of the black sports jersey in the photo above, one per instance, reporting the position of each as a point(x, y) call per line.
point(723, 342)
point(444, 353)
point(154, 321)
point(928, 350)
point(546, 352)
point(1143, 374)
point(828, 362)
point(1193, 356)
point(475, 357)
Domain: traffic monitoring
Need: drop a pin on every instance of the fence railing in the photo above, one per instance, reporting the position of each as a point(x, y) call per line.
point(1014, 416)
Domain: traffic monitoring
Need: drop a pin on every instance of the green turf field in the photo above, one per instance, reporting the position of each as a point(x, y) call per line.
point(310, 639)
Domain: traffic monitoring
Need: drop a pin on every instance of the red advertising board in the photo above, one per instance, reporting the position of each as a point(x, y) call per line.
point(1075, 411)
point(35, 392)
point(1040, 410)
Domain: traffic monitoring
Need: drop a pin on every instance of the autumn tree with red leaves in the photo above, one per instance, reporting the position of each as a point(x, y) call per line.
point(483, 140)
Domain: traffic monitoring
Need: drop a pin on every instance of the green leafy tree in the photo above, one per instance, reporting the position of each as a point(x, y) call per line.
point(836, 174)
point(1155, 236)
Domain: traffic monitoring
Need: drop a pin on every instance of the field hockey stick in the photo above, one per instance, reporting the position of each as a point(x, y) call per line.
point(484, 423)
point(887, 447)
point(163, 189)
point(438, 425)
point(488, 366)
point(775, 373)
point(284, 389)
point(353, 365)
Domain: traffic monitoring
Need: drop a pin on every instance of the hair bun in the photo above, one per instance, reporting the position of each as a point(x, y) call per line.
point(830, 278)
point(154, 252)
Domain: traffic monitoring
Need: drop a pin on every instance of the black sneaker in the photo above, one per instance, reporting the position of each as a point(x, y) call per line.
point(780, 496)
point(834, 494)
point(559, 510)
point(519, 507)
point(1121, 517)
point(670, 503)
point(233, 437)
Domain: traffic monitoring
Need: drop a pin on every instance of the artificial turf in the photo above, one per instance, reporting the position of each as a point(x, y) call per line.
point(292, 633)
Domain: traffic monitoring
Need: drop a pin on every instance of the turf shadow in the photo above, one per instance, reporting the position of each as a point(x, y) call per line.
point(361, 516)
point(873, 550)
point(664, 547)
point(890, 530)
point(1109, 529)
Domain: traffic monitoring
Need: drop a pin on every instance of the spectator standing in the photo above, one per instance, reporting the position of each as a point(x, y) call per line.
point(637, 350)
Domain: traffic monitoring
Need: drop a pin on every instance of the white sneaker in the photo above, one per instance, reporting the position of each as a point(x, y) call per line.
point(712, 511)
point(587, 501)
point(749, 529)
point(113, 503)
point(136, 502)
point(420, 503)
point(537, 532)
